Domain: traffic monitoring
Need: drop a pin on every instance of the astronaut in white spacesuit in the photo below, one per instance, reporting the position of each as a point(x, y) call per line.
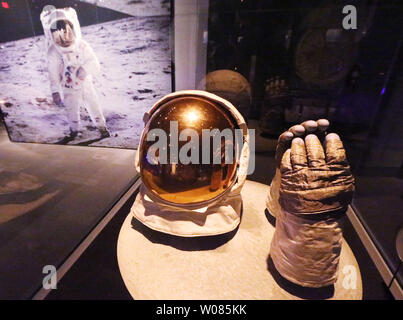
point(71, 66)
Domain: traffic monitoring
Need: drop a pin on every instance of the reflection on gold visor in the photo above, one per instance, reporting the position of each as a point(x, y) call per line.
point(64, 36)
point(201, 172)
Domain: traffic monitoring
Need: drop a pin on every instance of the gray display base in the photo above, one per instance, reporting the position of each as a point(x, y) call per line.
point(233, 266)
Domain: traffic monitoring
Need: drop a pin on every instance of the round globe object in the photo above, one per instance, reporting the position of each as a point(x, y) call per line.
point(231, 86)
point(189, 151)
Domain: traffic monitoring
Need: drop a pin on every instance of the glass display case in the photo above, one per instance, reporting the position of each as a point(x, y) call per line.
point(65, 191)
point(303, 63)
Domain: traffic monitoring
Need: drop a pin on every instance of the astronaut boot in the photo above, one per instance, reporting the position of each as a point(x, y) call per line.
point(104, 132)
point(73, 134)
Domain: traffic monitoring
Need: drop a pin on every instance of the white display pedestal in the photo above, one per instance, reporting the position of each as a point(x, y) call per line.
point(235, 266)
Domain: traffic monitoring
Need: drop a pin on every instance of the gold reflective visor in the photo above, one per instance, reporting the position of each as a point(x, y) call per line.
point(183, 184)
point(63, 37)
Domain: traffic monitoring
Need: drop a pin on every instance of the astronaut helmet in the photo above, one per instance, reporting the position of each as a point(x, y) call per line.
point(61, 26)
point(204, 149)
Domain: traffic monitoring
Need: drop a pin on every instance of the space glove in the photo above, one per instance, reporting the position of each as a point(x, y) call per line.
point(314, 180)
point(315, 189)
point(284, 142)
point(57, 100)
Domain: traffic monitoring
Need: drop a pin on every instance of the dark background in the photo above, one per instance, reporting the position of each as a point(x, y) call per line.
point(368, 116)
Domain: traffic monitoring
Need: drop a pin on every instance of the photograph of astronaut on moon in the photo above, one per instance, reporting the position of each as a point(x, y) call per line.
point(89, 74)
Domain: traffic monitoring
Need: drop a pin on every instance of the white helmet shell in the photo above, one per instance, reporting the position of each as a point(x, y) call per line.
point(212, 218)
point(50, 16)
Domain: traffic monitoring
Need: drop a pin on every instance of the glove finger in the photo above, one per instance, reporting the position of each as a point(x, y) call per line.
point(310, 126)
point(286, 162)
point(323, 125)
point(297, 130)
point(298, 154)
point(335, 152)
point(314, 151)
point(282, 145)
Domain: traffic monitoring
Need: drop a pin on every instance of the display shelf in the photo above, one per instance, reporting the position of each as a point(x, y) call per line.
point(235, 266)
